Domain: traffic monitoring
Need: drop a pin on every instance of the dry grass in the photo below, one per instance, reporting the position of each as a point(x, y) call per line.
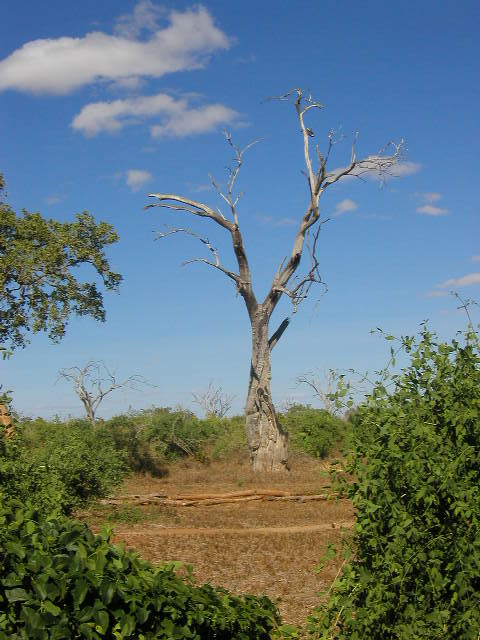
point(256, 547)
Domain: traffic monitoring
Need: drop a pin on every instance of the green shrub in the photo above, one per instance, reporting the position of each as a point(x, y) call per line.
point(59, 580)
point(126, 432)
point(174, 434)
point(226, 436)
point(59, 466)
point(315, 431)
point(152, 438)
point(415, 569)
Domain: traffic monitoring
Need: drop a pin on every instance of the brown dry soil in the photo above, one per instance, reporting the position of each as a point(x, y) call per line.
point(259, 547)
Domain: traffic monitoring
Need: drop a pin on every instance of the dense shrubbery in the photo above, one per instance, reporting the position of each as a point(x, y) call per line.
point(315, 431)
point(152, 438)
point(59, 466)
point(415, 460)
point(59, 580)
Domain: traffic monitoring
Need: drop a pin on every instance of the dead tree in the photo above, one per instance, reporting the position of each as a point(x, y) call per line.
point(268, 443)
point(94, 381)
point(324, 389)
point(214, 401)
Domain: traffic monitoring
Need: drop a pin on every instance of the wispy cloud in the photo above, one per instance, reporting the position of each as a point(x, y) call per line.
point(62, 65)
point(246, 59)
point(177, 117)
point(53, 199)
point(432, 210)
point(199, 188)
point(464, 281)
point(454, 283)
point(475, 258)
point(407, 168)
point(374, 216)
point(426, 205)
point(144, 17)
point(186, 121)
point(136, 178)
point(277, 222)
point(429, 196)
point(373, 168)
point(344, 206)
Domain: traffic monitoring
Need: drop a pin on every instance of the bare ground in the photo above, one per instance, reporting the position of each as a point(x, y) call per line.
point(260, 547)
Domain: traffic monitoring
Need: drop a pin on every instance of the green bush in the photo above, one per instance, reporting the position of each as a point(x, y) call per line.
point(59, 580)
point(59, 466)
point(315, 431)
point(226, 436)
point(127, 435)
point(153, 438)
point(175, 434)
point(415, 461)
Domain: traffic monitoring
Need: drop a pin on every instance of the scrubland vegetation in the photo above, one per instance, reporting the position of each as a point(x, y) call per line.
point(59, 580)
point(63, 466)
point(411, 469)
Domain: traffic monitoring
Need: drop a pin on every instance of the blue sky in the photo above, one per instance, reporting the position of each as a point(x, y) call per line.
point(104, 102)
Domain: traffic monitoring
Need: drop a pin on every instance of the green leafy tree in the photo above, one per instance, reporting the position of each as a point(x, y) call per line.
point(39, 288)
point(414, 571)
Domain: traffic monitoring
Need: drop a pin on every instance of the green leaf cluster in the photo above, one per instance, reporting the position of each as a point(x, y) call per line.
point(414, 569)
point(39, 289)
point(59, 581)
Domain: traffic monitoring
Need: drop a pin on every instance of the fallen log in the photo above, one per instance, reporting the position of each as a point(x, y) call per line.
point(232, 494)
point(320, 496)
point(234, 497)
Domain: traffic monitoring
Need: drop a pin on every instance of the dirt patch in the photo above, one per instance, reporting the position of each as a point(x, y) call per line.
point(260, 547)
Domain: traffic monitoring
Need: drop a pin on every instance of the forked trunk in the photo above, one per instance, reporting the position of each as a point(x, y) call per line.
point(267, 442)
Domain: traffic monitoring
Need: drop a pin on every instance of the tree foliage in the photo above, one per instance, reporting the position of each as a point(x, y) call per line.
point(415, 568)
point(39, 289)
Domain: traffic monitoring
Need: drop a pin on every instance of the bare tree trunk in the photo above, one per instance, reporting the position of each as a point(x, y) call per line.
point(89, 410)
point(267, 442)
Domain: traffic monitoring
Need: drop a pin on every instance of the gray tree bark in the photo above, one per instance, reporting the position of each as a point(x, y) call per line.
point(267, 442)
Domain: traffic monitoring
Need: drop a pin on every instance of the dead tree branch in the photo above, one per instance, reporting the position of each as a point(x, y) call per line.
point(214, 401)
point(94, 381)
point(318, 181)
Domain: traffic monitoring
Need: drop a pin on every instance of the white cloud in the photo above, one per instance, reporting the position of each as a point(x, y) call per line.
point(61, 65)
point(53, 199)
point(429, 196)
point(464, 281)
point(432, 210)
point(278, 222)
point(376, 168)
point(345, 205)
point(402, 169)
point(199, 188)
point(185, 121)
point(428, 208)
point(144, 17)
point(475, 258)
point(178, 119)
point(136, 178)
